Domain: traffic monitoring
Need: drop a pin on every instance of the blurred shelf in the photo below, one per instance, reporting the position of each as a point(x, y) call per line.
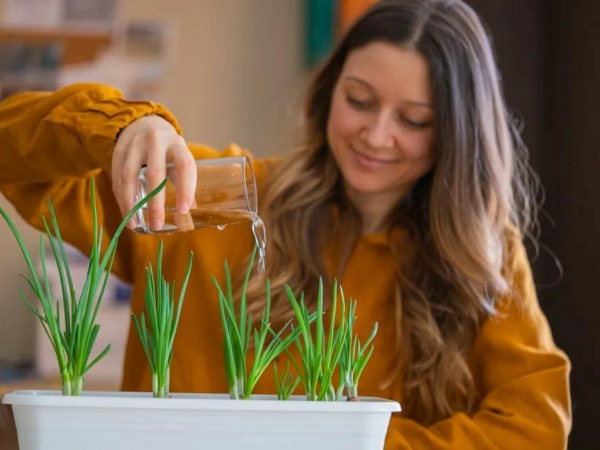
point(80, 44)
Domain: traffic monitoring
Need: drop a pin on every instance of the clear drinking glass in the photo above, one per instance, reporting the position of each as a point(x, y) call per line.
point(225, 194)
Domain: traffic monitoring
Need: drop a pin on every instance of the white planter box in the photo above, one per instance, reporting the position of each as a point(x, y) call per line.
point(46, 420)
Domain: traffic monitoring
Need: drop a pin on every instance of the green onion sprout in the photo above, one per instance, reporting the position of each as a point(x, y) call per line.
point(157, 340)
point(286, 384)
point(74, 338)
point(353, 359)
point(238, 331)
point(320, 354)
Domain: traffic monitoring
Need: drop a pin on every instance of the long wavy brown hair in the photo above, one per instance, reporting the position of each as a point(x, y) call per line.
point(456, 220)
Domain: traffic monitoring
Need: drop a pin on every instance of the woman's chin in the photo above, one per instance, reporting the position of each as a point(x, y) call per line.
point(365, 185)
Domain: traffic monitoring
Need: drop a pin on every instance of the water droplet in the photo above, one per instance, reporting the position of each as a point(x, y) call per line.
point(221, 227)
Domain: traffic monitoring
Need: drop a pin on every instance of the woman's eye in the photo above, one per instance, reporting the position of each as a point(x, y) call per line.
point(358, 104)
point(415, 124)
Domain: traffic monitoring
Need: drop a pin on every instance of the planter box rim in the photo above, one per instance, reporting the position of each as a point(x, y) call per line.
point(216, 402)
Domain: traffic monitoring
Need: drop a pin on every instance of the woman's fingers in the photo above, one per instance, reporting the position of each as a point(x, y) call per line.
point(186, 175)
point(156, 172)
point(116, 167)
point(153, 141)
point(127, 177)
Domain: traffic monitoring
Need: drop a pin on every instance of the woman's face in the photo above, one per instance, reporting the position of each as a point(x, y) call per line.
point(380, 128)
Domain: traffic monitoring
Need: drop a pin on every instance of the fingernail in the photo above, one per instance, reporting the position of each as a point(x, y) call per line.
point(184, 208)
point(155, 224)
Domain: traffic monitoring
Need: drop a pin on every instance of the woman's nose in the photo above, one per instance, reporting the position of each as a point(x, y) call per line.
point(380, 132)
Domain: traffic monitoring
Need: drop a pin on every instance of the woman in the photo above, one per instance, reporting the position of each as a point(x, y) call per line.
point(411, 188)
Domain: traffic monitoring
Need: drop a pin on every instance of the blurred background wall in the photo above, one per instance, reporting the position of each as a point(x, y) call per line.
point(230, 70)
point(235, 71)
point(549, 57)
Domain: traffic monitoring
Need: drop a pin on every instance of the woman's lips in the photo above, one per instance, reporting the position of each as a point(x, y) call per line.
point(368, 162)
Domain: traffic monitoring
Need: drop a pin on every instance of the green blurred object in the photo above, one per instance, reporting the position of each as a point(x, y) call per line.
point(321, 22)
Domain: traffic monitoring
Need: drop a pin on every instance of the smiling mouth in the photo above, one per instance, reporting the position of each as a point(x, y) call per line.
point(372, 159)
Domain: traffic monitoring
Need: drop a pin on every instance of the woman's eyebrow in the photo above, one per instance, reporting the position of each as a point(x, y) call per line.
point(370, 87)
point(359, 81)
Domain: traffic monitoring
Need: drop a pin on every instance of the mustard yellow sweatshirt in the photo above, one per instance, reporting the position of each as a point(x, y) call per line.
point(51, 143)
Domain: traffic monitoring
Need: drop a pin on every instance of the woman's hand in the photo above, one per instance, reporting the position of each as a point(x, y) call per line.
point(153, 141)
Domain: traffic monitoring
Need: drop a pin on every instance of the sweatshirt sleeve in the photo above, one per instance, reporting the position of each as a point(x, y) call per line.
point(51, 143)
point(523, 378)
